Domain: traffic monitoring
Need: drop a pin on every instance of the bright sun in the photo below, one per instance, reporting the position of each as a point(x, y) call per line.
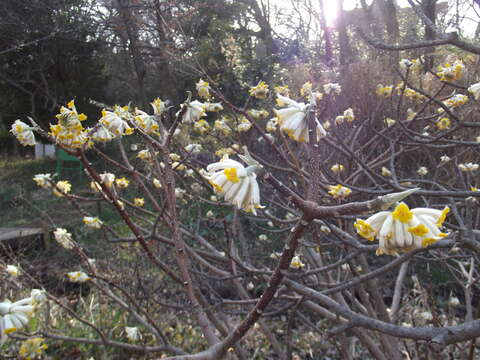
point(331, 11)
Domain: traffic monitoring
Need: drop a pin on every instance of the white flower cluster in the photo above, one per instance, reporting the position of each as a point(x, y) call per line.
point(14, 316)
point(236, 183)
point(403, 229)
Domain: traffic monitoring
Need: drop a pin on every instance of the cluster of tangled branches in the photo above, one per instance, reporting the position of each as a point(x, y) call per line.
point(280, 239)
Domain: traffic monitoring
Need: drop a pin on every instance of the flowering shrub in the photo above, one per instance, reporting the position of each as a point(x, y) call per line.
point(244, 218)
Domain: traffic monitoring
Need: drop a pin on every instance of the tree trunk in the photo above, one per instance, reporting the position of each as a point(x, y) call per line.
point(134, 47)
point(429, 8)
point(328, 56)
point(346, 53)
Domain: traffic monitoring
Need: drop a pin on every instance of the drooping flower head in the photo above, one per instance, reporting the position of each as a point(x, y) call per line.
point(158, 106)
point(23, 133)
point(92, 222)
point(195, 110)
point(475, 90)
point(203, 89)
point(451, 72)
point(403, 229)
point(292, 119)
point(146, 122)
point(237, 184)
point(339, 191)
point(43, 180)
point(116, 121)
point(61, 188)
point(260, 91)
point(78, 276)
point(384, 91)
point(14, 316)
point(64, 238)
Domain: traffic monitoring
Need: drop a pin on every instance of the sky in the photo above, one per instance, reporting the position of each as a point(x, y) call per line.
point(469, 10)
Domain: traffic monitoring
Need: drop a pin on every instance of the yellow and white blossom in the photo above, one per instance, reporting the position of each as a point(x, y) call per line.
point(422, 171)
point(443, 123)
point(146, 122)
point(195, 110)
point(262, 237)
point(213, 107)
point(444, 158)
point(244, 125)
point(337, 168)
point(451, 72)
point(468, 167)
point(296, 263)
point(453, 301)
point(306, 89)
point(157, 183)
point(144, 155)
point(414, 65)
point(102, 134)
point(237, 184)
point(410, 114)
point(413, 95)
point(258, 114)
point(32, 348)
point(107, 179)
point(78, 276)
point(38, 297)
point(386, 172)
point(139, 202)
point(61, 188)
point(92, 222)
point(23, 133)
point(455, 101)
point(475, 90)
point(115, 121)
point(203, 89)
point(272, 125)
point(43, 180)
point(384, 91)
point(403, 229)
point(389, 121)
point(260, 91)
point(221, 126)
point(158, 106)
point(224, 151)
point(193, 148)
point(14, 316)
point(332, 88)
point(292, 120)
point(282, 90)
point(133, 334)
point(64, 238)
point(339, 191)
point(122, 182)
point(12, 270)
point(201, 126)
point(348, 115)
point(180, 193)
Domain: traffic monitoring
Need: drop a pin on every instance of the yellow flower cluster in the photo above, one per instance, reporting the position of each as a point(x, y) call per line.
point(32, 348)
point(69, 131)
point(384, 91)
point(443, 123)
point(451, 72)
point(339, 192)
point(260, 91)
